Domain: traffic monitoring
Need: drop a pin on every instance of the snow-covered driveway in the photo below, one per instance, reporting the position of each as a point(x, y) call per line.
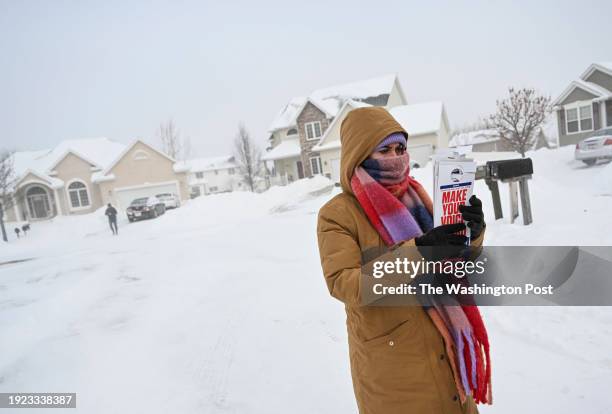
point(220, 306)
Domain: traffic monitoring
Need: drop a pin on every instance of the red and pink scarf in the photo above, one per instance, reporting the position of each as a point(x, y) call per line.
point(400, 209)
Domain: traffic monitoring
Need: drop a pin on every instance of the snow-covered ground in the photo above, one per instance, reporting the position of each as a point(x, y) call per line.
point(220, 306)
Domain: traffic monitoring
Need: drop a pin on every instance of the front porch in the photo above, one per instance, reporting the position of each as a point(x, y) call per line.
point(35, 201)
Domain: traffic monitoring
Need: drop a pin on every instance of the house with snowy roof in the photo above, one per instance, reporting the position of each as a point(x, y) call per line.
point(585, 105)
point(213, 175)
point(305, 135)
point(488, 140)
point(426, 124)
point(81, 175)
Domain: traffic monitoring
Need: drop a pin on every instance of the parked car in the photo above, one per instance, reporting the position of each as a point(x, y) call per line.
point(145, 207)
point(170, 200)
point(596, 146)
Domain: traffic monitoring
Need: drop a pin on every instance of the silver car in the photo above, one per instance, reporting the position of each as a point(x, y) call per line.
point(597, 146)
point(170, 200)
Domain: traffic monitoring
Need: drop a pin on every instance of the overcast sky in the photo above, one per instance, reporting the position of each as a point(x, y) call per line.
point(79, 69)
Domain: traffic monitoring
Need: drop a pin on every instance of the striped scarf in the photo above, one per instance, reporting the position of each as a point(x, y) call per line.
point(400, 209)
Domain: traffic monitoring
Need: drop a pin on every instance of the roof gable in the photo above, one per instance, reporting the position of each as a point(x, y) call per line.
point(605, 67)
point(28, 174)
point(590, 90)
point(317, 106)
point(329, 137)
point(329, 100)
point(74, 153)
point(586, 91)
point(94, 151)
point(128, 149)
point(420, 119)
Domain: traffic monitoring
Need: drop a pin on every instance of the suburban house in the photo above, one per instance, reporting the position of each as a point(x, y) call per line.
point(427, 127)
point(585, 105)
point(80, 176)
point(305, 136)
point(426, 124)
point(482, 140)
point(488, 140)
point(213, 175)
point(301, 124)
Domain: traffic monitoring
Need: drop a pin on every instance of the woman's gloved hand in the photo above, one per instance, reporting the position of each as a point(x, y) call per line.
point(441, 242)
point(442, 236)
point(473, 216)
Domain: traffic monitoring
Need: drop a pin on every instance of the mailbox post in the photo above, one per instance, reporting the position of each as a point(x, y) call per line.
point(513, 172)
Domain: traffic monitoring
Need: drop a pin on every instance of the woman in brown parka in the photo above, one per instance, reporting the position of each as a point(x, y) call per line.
point(399, 362)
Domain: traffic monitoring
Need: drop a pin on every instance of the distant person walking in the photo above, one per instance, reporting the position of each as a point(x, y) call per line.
point(111, 213)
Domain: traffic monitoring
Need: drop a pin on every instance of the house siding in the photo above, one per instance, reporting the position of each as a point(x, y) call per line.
point(572, 139)
point(395, 98)
point(130, 172)
point(327, 157)
point(310, 113)
point(596, 116)
point(601, 79)
point(578, 95)
point(75, 168)
point(609, 113)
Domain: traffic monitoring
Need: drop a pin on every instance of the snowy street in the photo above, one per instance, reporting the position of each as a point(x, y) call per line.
point(220, 306)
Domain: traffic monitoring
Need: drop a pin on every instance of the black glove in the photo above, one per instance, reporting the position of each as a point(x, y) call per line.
point(441, 242)
point(442, 236)
point(473, 216)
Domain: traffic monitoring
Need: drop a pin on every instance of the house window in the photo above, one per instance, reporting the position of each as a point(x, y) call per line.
point(315, 165)
point(195, 191)
point(579, 118)
point(77, 192)
point(292, 131)
point(313, 130)
point(213, 189)
point(140, 155)
point(199, 175)
point(231, 171)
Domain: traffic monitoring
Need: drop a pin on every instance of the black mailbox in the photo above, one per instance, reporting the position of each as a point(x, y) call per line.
point(512, 172)
point(507, 169)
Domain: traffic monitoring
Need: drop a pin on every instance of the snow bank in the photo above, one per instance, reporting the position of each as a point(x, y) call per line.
point(605, 180)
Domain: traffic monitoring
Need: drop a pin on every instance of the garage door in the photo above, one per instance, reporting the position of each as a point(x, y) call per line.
point(125, 197)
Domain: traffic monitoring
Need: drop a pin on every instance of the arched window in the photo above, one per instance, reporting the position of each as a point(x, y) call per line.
point(141, 155)
point(79, 197)
point(292, 131)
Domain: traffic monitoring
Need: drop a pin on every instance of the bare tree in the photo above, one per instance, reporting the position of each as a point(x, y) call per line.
point(170, 138)
point(519, 118)
point(7, 179)
point(248, 157)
